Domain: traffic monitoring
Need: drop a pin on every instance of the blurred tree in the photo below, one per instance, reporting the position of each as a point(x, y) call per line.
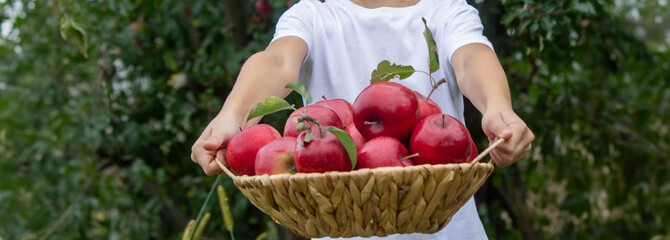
point(100, 102)
point(594, 91)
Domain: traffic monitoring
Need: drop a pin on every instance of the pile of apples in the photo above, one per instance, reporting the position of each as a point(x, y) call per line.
point(390, 125)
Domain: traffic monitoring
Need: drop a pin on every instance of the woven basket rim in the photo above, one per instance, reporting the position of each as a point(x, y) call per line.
point(475, 161)
point(363, 171)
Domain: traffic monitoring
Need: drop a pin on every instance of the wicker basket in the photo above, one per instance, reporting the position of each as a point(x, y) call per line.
point(366, 202)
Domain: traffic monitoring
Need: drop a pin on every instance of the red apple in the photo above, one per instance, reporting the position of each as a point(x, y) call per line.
point(342, 108)
point(242, 148)
point(386, 109)
point(383, 152)
point(276, 157)
point(263, 8)
point(359, 140)
point(322, 154)
point(473, 151)
point(440, 139)
point(427, 106)
point(324, 115)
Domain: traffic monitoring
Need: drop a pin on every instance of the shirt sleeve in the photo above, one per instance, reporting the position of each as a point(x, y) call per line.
point(297, 21)
point(461, 26)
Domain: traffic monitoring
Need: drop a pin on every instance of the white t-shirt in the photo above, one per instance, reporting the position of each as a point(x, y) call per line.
point(347, 41)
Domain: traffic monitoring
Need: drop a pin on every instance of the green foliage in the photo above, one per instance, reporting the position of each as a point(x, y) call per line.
point(594, 96)
point(100, 102)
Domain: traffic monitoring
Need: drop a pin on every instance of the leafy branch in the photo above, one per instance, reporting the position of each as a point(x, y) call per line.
point(386, 70)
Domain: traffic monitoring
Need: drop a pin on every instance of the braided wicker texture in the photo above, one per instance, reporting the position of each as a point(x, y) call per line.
point(367, 202)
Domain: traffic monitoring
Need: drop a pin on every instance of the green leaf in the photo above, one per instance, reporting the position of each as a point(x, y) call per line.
point(347, 142)
point(170, 63)
point(584, 7)
point(386, 71)
point(509, 17)
point(271, 104)
point(301, 126)
point(300, 89)
point(69, 28)
point(308, 136)
point(433, 60)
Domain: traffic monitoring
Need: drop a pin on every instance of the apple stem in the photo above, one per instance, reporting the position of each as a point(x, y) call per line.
point(443, 121)
point(307, 118)
point(321, 132)
point(324, 97)
point(370, 123)
point(437, 84)
point(432, 80)
point(431, 93)
point(410, 156)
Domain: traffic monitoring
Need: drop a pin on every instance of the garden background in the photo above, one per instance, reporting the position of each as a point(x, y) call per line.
point(101, 100)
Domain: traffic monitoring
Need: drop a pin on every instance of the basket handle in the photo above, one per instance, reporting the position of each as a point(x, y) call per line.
point(223, 167)
point(487, 150)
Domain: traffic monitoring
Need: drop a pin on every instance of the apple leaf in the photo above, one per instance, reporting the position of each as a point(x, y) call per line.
point(386, 71)
point(347, 142)
point(271, 104)
point(308, 136)
point(300, 89)
point(433, 60)
point(301, 126)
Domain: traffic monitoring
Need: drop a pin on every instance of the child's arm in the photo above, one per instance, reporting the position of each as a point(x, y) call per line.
point(264, 74)
point(482, 79)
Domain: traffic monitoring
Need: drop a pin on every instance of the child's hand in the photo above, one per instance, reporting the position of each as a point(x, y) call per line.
point(212, 142)
point(264, 74)
point(497, 124)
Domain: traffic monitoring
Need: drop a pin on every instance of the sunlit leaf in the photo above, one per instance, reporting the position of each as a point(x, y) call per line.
point(271, 104)
point(386, 71)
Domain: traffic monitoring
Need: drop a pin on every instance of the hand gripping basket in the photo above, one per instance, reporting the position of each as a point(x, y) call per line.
point(366, 202)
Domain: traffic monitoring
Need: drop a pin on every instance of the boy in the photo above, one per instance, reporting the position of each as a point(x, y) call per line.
point(332, 47)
